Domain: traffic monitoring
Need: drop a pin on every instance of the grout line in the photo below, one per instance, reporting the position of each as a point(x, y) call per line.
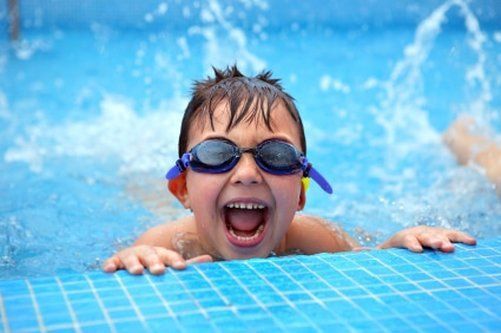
point(76, 325)
point(131, 300)
point(163, 300)
point(101, 305)
point(317, 300)
point(5, 323)
point(348, 299)
point(41, 325)
point(281, 294)
point(251, 295)
point(437, 317)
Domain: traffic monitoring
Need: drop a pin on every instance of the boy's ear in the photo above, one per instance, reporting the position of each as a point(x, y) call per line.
point(302, 197)
point(177, 187)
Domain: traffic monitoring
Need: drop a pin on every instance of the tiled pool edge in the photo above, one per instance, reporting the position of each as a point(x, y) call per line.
point(374, 290)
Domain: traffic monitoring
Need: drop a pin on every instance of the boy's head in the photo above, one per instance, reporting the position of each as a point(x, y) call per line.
point(250, 100)
point(241, 162)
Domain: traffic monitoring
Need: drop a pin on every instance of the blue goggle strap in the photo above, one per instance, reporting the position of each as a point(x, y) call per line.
point(311, 172)
point(181, 164)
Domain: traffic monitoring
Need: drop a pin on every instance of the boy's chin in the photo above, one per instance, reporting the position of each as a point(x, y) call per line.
point(246, 253)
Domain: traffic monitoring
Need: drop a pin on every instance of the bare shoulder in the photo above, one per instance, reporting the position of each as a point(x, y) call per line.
point(312, 234)
point(163, 234)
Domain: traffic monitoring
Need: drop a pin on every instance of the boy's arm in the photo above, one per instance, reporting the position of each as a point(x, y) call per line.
point(310, 235)
point(156, 249)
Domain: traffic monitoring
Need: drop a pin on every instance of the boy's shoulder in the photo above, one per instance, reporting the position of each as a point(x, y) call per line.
point(312, 234)
point(162, 234)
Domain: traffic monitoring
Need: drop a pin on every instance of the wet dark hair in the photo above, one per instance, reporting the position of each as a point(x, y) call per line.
point(250, 99)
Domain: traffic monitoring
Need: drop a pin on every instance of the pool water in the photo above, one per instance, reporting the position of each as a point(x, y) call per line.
point(90, 109)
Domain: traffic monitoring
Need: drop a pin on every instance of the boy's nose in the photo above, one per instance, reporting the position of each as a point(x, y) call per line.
point(246, 171)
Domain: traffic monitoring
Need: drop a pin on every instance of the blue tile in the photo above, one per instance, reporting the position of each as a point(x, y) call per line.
point(491, 326)
point(164, 324)
point(154, 311)
point(379, 289)
point(80, 296)
point(222, 315)
point(212, 303)
point(318, 313)
point(122, 314)
point(132, 326)
point(344, 309)
point(183, 307)
point(333, 327)
point(298, 297)
point(326, 294)
point(62, 330)
point(252, 312)
point(119, 302)
point(191, 319)
point(57, 319)
point(21, 324)
point(286, 315)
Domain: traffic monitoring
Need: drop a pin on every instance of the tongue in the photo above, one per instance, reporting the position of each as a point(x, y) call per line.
point(244, 219)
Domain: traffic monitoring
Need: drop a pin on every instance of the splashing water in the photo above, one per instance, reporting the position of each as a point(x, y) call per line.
point(402, 112)
point(225, 44)
point(452, 200)
point(141, 144)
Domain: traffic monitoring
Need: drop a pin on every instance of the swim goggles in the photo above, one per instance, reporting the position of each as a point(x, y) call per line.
point(273, 156)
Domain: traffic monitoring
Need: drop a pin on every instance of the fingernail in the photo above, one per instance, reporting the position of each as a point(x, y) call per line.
point(178, 264)
point(109, 267)
point(156, 268)
point(136, 269)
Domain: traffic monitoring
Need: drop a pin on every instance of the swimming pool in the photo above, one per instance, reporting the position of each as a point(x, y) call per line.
point(92, 95)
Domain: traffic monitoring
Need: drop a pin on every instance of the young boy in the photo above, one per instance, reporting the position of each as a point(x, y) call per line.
point(242, 163)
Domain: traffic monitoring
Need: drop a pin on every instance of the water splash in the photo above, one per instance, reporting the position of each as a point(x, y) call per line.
point(140, 144)
point(402, 113)
point(452, 197)
point(225, 43)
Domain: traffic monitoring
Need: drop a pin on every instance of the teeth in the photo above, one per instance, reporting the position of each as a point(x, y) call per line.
point(245, 205)
point(242, 238)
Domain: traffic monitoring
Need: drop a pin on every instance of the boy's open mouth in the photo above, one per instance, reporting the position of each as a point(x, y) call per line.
point(245, 223)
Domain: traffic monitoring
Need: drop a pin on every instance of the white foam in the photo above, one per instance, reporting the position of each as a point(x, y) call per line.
point(327, 82)
point(139, 143)
point(4, 106)
point(497, 36)
point(225, 44)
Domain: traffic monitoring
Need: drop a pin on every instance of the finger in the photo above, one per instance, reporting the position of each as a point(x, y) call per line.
point(446, 246)
point(150, 259)
point(363, 248)
point(171, 258)
point(111, 264)
point(131, 263)
point(432, 241)
point(412, 243)
point(461, 237)
point(200, 259)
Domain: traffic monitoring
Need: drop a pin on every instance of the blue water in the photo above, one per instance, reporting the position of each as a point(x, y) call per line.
point(90, 108)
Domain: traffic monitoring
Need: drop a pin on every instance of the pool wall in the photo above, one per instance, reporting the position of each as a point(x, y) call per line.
point(373, 291)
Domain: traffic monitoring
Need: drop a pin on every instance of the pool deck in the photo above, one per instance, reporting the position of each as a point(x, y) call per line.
point(372, 291)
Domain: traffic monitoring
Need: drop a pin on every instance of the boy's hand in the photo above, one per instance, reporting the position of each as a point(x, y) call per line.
point(134, 259)
point(416, 238)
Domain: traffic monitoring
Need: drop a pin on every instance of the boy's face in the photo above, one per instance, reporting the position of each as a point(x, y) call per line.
point(246, 211)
